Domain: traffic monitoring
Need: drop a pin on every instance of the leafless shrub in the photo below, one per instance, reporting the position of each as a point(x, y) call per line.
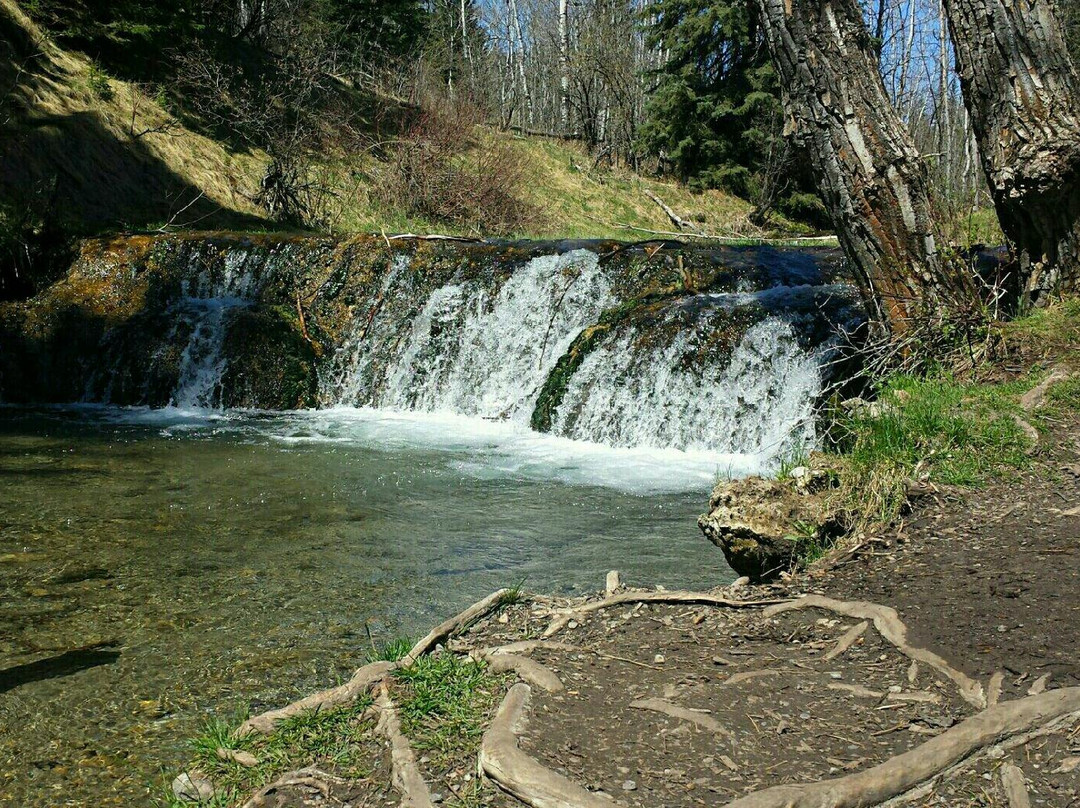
point(444, 169)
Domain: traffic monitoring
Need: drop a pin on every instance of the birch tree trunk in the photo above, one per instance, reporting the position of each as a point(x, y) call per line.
point(873, 181)
point(1023, 96)
point(564, 66)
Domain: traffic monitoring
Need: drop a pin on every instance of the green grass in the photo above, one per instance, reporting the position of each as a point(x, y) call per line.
point(938, 428)
point(445, 701)
point(391, 651)
point(339, 738)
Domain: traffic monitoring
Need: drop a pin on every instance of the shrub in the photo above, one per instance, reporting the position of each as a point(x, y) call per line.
point(446, 169)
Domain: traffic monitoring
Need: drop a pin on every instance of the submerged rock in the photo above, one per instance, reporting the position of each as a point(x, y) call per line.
point(764, 526)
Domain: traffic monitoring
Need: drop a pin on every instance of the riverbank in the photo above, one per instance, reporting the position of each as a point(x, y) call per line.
point(935, 660)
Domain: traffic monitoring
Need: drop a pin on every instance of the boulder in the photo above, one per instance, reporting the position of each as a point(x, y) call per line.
point(764, 525)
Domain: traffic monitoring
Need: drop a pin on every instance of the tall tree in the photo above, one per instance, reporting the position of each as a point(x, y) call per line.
point(872, 179)
point(1023, 96)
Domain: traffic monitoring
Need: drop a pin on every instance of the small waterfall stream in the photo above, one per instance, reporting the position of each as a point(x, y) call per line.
point(625, 347)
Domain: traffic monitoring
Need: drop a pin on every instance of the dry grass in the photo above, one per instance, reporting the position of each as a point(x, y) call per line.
point(117, 170)
point(117, 154)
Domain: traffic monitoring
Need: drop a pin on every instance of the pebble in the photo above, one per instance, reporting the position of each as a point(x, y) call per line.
point(658, 659)
point(629, 785)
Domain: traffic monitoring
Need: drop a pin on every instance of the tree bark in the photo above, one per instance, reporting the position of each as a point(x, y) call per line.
point(873, 181)
point(1023, 96)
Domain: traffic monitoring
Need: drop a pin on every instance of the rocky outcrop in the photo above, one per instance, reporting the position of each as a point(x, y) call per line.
point(767, 526)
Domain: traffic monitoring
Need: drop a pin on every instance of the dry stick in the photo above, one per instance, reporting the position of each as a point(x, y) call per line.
point(370, 675)
point(519, 774)
point(906, 771)
point(890, 627)
point(704, 598)
point(681, 713)
point(406, 773)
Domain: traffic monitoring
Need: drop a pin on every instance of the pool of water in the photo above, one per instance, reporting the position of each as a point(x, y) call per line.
point(157, 567)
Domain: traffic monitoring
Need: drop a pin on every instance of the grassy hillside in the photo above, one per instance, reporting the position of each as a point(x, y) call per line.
point(97, 153)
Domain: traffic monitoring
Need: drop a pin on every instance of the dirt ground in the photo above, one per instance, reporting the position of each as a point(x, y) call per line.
point(992, 583)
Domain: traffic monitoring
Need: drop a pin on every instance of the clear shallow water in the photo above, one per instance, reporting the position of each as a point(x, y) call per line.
point(221, 561)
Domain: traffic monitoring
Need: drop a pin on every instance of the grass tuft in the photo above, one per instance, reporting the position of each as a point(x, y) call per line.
point(391, 651)
point(935, 428)
point(341, 739)
point(444, 701)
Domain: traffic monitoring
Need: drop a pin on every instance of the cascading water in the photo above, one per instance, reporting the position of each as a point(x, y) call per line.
point(475, 353)
point(203, 363)
point(758, 402)
point(626, 347)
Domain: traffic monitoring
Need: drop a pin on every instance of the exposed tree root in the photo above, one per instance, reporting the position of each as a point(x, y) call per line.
point(310, 777)
point(519, 774)
point(908, 770)
point(683, 714)
point(994, 751)
point(704, 598)
point(847, 640)
point(406, 773)
point(361, 682)
point(890, 627)
point(1012, 783)
point(370, 675)
point(528, 670)
point(525, 646)
point(457, 623)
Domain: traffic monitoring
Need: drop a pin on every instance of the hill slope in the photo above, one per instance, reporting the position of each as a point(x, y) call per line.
point(100, 154)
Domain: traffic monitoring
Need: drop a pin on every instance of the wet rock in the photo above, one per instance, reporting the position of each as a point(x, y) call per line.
point(763, 526)
point(192, 787)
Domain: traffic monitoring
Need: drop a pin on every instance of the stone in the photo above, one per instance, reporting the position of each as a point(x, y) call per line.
point(613, 582)
point(758, 523)
point(629, 785)
point(192, 787)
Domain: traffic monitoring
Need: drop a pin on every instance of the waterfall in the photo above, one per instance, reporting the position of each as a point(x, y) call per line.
point(473, 351)
point(203, 362)
point(758, 402)
point(722, 351)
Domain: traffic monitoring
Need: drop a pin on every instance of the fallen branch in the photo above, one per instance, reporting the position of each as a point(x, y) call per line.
point(704, 598)
point(433, 237)
point(406, 773)
point(908, 770)
point(520, 775)
point(676, 220)
point(891, 628)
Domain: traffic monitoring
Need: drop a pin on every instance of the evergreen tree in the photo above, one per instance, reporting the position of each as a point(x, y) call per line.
point(715, 112)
